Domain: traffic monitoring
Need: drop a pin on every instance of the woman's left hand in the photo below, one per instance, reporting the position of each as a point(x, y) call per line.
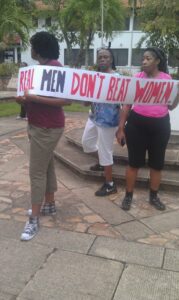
point(20, 99)
point(27, 97)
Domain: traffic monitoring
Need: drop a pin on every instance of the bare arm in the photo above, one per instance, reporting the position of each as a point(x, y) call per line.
point(120, 134)
point(175, 102)
point(43, 100)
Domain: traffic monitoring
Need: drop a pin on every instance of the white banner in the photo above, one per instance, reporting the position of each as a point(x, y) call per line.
point(83, 85)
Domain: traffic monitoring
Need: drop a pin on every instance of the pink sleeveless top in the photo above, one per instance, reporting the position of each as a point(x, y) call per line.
point(154, 111)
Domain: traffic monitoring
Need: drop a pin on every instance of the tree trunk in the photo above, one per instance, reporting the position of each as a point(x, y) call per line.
point(88, 43)
point(69, 50)
point(86, 58)
point(79, 61)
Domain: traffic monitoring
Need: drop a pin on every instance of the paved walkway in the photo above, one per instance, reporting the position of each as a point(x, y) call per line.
point(92, 250)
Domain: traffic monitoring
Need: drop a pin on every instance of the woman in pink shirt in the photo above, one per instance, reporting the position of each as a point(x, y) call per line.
point(147, 130)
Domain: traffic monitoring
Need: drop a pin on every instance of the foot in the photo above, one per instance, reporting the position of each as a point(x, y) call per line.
point(106, 190)
point(30, 230)
point(97, 167)
point(126, 203)
point(48, 209)
point(155, 201)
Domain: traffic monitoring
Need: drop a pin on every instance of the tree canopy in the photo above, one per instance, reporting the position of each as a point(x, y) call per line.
point(79, 20)
point(160, 22)
point(15, 20)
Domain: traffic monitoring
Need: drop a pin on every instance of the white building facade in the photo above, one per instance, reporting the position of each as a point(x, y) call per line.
point(122, 44)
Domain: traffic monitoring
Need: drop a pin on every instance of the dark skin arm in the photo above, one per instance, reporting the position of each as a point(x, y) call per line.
point(175, 102)
point(42, 100)
point(120, 134)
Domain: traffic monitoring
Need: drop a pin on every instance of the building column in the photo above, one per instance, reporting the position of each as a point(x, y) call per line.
point(131, 38)
point(15, 55)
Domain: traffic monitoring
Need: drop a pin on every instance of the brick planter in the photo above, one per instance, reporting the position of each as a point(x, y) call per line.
point(4, 80)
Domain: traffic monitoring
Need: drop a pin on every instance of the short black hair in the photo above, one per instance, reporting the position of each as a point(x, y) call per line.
point(112, 56)
point(160, 54)
point(45, 44)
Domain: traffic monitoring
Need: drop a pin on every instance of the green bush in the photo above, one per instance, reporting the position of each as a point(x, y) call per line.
point(76, 107)
point(124, 72)
point(175, 76)
point(8, 69)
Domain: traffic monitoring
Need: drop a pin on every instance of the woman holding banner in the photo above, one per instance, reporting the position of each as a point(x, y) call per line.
point(146, 128)
point(101, 127)
point(45, 127)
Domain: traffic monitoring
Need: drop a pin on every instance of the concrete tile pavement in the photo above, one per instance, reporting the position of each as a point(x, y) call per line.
point(91, 249)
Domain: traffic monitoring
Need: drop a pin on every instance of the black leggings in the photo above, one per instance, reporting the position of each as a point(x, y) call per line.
point(147, 134)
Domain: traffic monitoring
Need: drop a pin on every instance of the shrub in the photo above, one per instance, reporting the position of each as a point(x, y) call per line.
point(8, 69)
point(175, 76)
point(124, 72)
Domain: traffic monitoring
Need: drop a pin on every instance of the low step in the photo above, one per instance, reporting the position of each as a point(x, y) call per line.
point(174, 139)
point(120, 153)
point(80, 162)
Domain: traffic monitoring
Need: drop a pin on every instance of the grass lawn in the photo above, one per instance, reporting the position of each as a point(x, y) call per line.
point(8, 108)
point(76, 107)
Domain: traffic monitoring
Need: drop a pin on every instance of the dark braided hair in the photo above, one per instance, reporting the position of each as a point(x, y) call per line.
point(160, 54)
point(113, 66)
point(45, 44)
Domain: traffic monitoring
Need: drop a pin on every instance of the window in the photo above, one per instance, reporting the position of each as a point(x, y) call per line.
point(1, 56)
point(125, 26)
point(173, 59)
point(137, 55)
point(137, 23)
point(18, 54)
point(35, 21)
point(9, 55)
point(48, 22)
point(120, 57)
point(75, 57)
point(127, 23)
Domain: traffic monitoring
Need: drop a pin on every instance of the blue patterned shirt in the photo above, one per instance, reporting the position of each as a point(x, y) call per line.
point(105, 115)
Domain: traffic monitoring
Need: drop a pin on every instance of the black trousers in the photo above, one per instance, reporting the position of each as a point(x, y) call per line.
point(23, 111)
point(147, 135)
